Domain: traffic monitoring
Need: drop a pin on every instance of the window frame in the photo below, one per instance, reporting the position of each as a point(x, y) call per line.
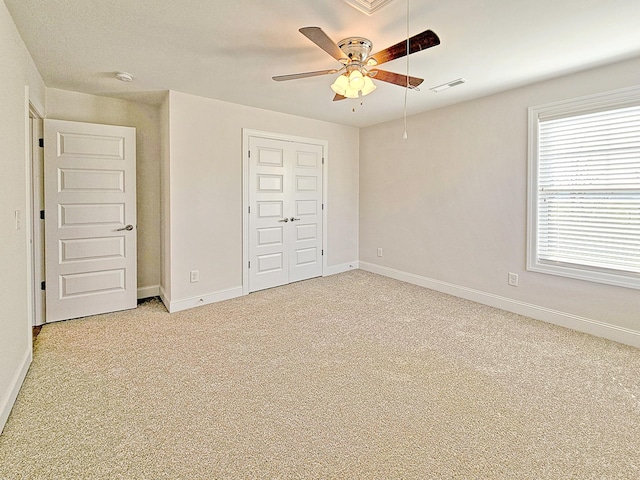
point(612, 100)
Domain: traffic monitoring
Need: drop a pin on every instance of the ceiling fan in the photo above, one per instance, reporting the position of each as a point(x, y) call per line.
point(358, 66)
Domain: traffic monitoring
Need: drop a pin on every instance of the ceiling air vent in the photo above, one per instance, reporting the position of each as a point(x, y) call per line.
point(368, 6)
point(444, 86)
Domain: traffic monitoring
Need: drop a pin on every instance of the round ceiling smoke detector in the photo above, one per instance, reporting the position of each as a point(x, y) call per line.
point(124, 76)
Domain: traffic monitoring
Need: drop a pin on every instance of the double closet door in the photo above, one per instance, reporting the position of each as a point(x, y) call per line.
point(285, 212)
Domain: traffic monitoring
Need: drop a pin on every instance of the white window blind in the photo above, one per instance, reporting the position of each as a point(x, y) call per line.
point(587, 194)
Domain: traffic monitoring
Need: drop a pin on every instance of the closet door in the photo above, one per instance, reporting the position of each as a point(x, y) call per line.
point(305, 251)
point(268, 191)
point(285, 217)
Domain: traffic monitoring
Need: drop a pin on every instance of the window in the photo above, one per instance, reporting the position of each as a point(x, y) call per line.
point(584, 188)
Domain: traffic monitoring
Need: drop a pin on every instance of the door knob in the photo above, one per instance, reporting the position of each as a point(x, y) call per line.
point(285, 220)
point(128, 228)
point(294, 219)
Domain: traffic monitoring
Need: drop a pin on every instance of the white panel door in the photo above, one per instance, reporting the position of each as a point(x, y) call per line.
point(306, 212)
point(269, 187)
point(285, 217)
point(90, 219)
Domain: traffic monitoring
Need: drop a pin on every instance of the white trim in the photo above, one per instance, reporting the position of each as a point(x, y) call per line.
point(368, 7)
point(344, 267)
point(325, 202)
point(563, 319)
point(245, 210)
point(620, 98)
point(165, 298)
point(35, 194)
point(246, 133)
point(186, 303)
point(150, 291)
point(6, 403)
point(27, 215)
point(532, 184)
point(36, 107)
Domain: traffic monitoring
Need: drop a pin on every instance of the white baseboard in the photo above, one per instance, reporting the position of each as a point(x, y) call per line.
point(563, 319)
point(344, 267)
point(150, 291)
point(165, 298)
point(186, 303)
point(7, 401)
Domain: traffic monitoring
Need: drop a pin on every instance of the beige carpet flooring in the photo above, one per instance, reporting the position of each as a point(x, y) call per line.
point(353, 376)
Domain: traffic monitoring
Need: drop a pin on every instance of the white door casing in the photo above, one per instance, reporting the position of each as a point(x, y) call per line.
point(37, 227)
point(90, 219)
point(285, 202)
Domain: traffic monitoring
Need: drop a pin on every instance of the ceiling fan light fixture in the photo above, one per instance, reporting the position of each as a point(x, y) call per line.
point(368, 87)
point(356, 81)
point(351, 93)
point(353, 53)
point(340, 85)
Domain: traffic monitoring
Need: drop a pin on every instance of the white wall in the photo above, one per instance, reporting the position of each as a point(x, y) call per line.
point(204, 197)
point(17, 70)
point(448, 205)
point(81, 107)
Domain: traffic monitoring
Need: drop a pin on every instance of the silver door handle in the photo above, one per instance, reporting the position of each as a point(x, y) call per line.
point(294, 219)
point(285, 220)
point(127, 228)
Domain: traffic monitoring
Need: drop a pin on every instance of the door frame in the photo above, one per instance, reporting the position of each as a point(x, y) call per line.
point(246, 134)
point(37, 249)
point(34, 225)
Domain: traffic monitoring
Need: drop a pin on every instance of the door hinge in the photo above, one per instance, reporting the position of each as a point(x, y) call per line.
point(249, 264)
point(41, 142)
point(323, 252)
point(323, 206)
point(249, 153)
point(323, 160)
point(41, 214)
point(42, 286)
point(249, 208)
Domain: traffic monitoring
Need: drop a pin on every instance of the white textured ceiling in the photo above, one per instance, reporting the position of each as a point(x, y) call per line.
point(229, 50)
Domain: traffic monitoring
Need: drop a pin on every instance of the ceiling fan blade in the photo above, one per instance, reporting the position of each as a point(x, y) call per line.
point(338, 97)
point(317, 36)
point(294, 76)
point(421, 41)
point(396, 78)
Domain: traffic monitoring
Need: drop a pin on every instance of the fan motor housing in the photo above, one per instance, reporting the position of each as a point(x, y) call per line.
point(357, 49)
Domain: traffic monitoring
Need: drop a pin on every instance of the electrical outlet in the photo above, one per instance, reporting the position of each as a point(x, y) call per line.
point(379, 252)
point(513, 279)
point(195, 276)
